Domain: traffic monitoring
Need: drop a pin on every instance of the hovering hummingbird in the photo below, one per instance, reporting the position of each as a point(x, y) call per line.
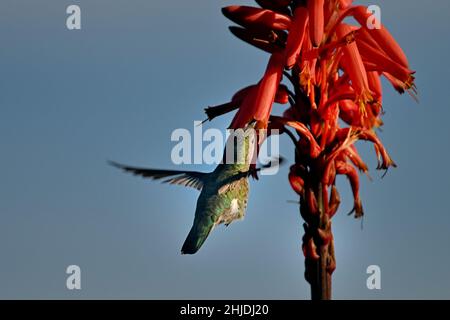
point(224, 191)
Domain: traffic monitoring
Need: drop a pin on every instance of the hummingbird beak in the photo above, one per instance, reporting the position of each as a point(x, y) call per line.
point(251, 124)
point(276, 162)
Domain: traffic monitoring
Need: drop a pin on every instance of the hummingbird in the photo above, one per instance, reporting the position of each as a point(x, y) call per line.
point(224, 191)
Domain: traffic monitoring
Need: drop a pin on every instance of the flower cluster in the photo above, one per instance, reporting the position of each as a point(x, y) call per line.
point(333, 96)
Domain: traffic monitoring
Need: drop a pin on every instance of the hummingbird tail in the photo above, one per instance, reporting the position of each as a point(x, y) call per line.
point(195, 239)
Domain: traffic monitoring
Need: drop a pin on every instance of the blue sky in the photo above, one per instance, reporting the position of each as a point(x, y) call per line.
point(116, 89)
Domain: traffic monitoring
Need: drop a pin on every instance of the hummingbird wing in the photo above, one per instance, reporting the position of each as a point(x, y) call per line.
point(192, 179)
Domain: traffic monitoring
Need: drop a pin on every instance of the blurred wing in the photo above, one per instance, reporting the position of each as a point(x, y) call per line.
point(192, 179)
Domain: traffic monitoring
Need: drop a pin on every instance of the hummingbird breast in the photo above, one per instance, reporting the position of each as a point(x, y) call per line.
point(227, 204)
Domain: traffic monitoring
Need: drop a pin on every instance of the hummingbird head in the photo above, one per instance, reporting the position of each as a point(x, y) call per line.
point(240, 148)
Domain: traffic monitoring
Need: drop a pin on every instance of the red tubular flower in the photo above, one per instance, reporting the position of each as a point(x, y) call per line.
point(381, 36)
point(241, 94)
point(281, 96)
point(258, 104)
point(352, 154)
point(385, 64)
point(364, 35)
point(268, 88)
point(353, 65)
point(316, 26)
point(296, 36)
point(383, 155)
point(373, 78)
point(235, 103)
point(251, 17)
point(400, 86)
point(349, 112)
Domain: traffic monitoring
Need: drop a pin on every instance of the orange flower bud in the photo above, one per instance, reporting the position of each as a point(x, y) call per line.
point(335, 201)
point(311, 200)
point(297, 182)
point(310, 250)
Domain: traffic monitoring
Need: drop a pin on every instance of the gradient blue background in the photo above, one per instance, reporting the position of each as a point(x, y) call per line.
point(116, 89)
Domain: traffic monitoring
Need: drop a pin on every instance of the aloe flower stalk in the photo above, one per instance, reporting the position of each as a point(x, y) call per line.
point(324, 71)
